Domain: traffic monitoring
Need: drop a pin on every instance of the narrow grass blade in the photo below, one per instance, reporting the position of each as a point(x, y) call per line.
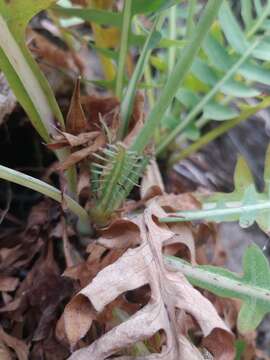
point(45, 189)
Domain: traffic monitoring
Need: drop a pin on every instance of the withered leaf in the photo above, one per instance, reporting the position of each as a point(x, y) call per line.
point(53, 55)
point(81, 154)
point(20, 348)
point(76, 121)
point(152, 183)
point(8, 283)
point(171, 294)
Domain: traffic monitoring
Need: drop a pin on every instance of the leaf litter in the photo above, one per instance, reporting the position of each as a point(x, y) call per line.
point(171, 296)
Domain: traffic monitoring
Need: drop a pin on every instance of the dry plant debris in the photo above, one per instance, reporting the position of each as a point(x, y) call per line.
point(172, 299)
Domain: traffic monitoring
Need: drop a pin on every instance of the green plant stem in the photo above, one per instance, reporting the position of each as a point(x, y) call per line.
point(147, 71)
point(172, 36)
point(177, 76)
point(220, 130)
point(236, 208)
point(198, 108)
point(190, 19)
point(128, 100)
point(123, 48)
point(45, 189)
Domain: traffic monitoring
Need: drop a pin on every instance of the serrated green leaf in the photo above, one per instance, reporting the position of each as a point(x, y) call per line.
point(245, 204)
point(231, 87)
point(222, 60)
point(253, 288)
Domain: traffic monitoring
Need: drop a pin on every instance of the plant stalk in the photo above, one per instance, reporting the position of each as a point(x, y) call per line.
point(45, 189)
point(123, 48)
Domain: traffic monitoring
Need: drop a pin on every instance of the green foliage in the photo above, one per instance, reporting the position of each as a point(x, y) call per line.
point(245, 204)
point(128, 100)
point(27, 81)
point(253, 288)
point(233, 61)
point(24, 75)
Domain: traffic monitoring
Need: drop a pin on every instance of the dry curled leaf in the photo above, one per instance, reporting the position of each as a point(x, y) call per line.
point(8, 283)
point(171, 294)
point(152, 183)
point(76, 121)
point(46, 51)
point(20, 348)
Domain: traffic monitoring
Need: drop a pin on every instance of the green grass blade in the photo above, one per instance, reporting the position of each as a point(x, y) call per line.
point(128, 100)
point(45, 189)
point(29, 84)
point(24, 75)
point(178, 75)
point(126, 28)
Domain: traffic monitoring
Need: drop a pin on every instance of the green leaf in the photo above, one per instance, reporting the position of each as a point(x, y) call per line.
point(232, 30)
point(231, 87)
point(222, 60)
point(218, 112)
point(101, 17)
point(253, 288)
point(25, 78)
point(245, 204)
point(143, 7)
point(28, 83)
point(128, 100)
point(246, 12)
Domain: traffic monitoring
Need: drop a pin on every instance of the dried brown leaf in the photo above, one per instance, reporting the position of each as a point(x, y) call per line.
point(20, 348)
point(121, 234)
point(76, 121)
point(97, 107)
point(179, 202)
point(8, 283)
point(79, 155)
point(78, 318)
point(152, 183)
point(53, 55)
point(5, 354)
point(170, 292)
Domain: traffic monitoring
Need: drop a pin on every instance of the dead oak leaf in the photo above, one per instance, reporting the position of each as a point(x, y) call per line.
point(20, 348)
point(8, 283)
point(171, 294)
